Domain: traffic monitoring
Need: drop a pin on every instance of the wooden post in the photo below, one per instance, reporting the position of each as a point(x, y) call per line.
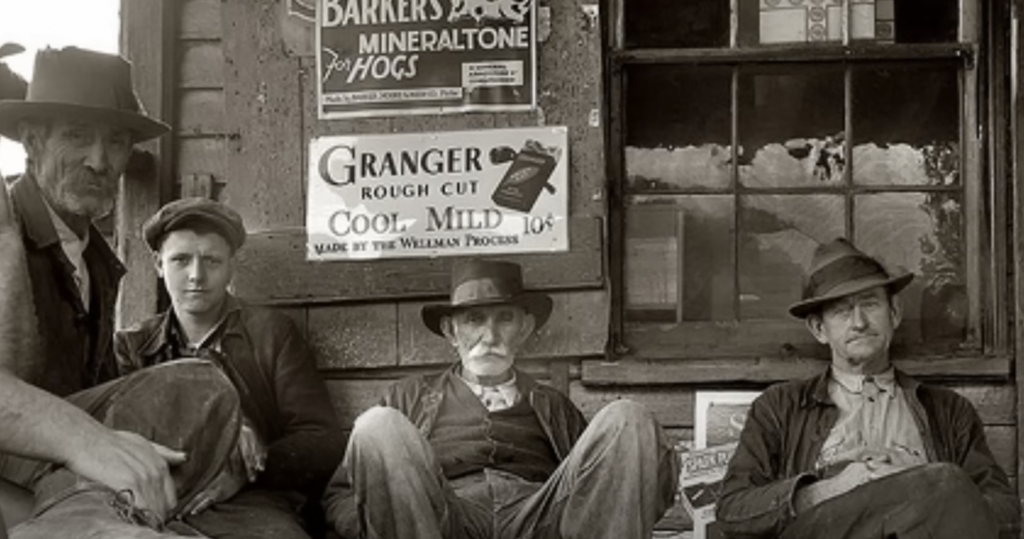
point(148, 36)
point(1017, 192)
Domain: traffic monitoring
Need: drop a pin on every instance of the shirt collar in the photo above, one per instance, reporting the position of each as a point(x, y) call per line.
point(168, 334)
point(508, 388)
point(854, 383)
point(72, 244)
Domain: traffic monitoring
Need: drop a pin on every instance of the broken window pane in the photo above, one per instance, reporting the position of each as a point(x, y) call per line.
point(778, 234)
point(678, 128)
point(920, 233)
point(906, 125)
point(791, 127)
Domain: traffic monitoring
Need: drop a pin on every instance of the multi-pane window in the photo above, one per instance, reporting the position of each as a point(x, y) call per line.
point(748, 131)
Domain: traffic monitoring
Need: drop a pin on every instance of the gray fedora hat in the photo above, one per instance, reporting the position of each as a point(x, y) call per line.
point(487, 282)
point(839, 269)
point(80, 85)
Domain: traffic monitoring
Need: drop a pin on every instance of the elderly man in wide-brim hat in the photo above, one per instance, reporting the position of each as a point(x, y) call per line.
point(482, 450)
point(78, 122)
point(862, 450)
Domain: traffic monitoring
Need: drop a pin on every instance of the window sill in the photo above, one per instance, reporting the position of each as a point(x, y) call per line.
point(768, 370)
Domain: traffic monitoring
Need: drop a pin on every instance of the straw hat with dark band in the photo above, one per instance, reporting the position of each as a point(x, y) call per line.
point(486, 282)
point(80, 85)
point(839, 269)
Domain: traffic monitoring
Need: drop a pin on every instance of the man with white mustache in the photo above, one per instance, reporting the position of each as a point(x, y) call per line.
point(482, 450)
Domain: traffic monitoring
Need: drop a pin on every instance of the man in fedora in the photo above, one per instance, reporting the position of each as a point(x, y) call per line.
point(862, 450)
point(482, 450)
point(290, 441)
point(78, 123)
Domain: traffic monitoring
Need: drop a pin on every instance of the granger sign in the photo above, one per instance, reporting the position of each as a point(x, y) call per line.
point(438, 194)
point(389, 57)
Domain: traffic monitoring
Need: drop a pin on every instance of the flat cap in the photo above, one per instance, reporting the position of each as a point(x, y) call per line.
point(185, 212)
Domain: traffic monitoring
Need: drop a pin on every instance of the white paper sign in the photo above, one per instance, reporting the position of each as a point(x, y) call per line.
point(438, 194)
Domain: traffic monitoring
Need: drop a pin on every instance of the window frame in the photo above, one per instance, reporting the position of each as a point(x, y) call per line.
point(984, 177)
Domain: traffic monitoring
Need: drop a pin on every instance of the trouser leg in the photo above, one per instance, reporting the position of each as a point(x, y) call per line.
point(617, 481)
point(253, 514)
point(187, 405)
point(933, 501)
point(397, 487)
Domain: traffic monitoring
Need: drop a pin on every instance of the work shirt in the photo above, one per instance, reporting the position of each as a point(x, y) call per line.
point(873, 415)
point(495, 398)
point(74, 249)
point(77, 352)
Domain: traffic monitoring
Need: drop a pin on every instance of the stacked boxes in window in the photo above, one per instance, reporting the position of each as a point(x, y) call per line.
point(803, 21)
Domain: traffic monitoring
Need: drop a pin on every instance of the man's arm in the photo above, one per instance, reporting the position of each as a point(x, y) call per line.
point(38, 425)
point(755, 500)
point(19, 336)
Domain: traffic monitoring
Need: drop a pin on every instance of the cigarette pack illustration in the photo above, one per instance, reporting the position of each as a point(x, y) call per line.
point(528, 174)
point(700, 482)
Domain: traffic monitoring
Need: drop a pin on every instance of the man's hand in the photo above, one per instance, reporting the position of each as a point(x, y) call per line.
point(127, 461)
point(254, 453)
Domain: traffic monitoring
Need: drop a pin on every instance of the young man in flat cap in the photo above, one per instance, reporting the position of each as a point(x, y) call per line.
point(482, 450)
point(77, 122)
point(290, 442)
point(862, 450)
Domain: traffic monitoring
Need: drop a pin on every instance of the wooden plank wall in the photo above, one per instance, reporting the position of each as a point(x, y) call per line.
point(245, 114)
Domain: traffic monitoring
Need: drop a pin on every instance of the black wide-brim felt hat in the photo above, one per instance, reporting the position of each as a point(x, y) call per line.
point(478, 283)
point(80, 85)
point(838, 269)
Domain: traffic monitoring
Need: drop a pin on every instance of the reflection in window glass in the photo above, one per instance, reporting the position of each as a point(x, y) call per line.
point(676, 24)
point(679, 259)
point(678, 128)
point(906, 125)
point(920, 233)
point(791, 127)
point(778, 234)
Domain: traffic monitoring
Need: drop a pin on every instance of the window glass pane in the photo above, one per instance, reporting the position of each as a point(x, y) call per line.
point(778, 234)
point(906, 125)
point(679, 259)
point(676, 23)
point(921, 233)
point(773, 22)
point(770, 22)
point(678, 128)
point(926, 21)
point(791, 127)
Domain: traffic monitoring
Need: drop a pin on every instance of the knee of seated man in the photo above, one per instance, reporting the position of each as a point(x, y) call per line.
point(934, 479)
point(623, 414)
point(379, 423)
point(945, 475)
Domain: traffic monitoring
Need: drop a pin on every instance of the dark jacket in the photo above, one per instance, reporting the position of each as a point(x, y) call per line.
point(788, 424)
point(77, 350)
point(419, 398)
point(281, 391)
